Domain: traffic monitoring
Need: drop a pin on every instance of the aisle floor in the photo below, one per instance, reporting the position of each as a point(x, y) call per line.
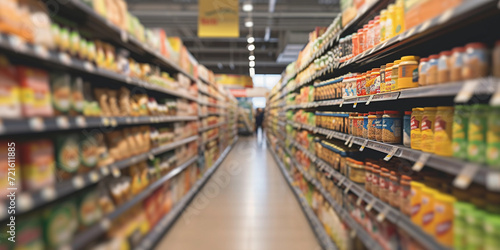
point(246, 204)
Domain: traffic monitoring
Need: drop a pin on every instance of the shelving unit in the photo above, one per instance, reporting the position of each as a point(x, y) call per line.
point(429, 37)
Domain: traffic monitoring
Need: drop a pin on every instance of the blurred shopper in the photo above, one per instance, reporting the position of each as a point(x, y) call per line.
point(259, 119)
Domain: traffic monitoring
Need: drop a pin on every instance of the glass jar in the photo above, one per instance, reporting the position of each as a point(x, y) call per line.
point(476, 148)
point(372, 130)
point(408, 72)
point(395, 75)
point(388, 77)
point(476, 61)
point(460, 131)
point(428, 118)
point(493, 138)
point(423, 67)
point(375, 81)
point(355, 124)
point(367, 85)
point(407, 129)
point(394, 186)
point(375, 180)
point(405, 195)
point(385, 179)
point(378, 125)
point(444, 67)
point(443, 131)
point(391, 132)
point(432, 70)
point(357, 172)
point(456, 63)
point(361, 120)
point(496, 60)
point(368, 176)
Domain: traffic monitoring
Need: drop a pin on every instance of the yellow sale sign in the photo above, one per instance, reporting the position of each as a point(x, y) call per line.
point(218, 18)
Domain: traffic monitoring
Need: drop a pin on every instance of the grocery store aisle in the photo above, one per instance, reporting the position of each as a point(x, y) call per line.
point(247, 204)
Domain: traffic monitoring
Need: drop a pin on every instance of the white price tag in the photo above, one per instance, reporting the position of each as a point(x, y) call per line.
point(341, 181)
point(17, 44)
point(420, 163)
point(360, 199)
point(370, 205)
point(25, 202)
point(49, 193)
point(64, 58)
point(105, 121)
point(62, 122)
point(369, 100)
point(41, 51)
point(355, 104)
point(350, 143)
point(381, 216)
point(445, 16)
point(467, 91)
point(81, 122)
point(93, 176)
point(116, 172)
point(105, 223)
point(78, 182)
point(424, 26)
point(391, 153)
point(89, 67)
point(363, 145)
point(341, 102)
point(465, 176)
point(347, 188)
point(493, 181)
point(36, 124)
point(105, 171)
point(113, 122)
point(348, 140)
point(124, 36)
point(495, 99)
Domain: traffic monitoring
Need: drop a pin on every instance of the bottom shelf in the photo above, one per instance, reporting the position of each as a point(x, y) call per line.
point(324, 240)
point(153, 237)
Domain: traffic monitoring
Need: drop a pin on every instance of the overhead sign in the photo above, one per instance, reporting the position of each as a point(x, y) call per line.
point(218, 18)
point(255, 92)
point(234, 81)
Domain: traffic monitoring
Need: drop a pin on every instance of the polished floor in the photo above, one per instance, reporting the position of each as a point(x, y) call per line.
point(247, 204)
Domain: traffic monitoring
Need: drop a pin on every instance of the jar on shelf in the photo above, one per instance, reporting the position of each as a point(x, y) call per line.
point(408, 72)
point(365, 125)
point(456, 63)
point(355, 44)
point(375, 180)
point(366, 82)
point(405, 195)
point(385, 178)
point(444, 67)
point(388, 78)
point(432, 70)
point(366, 34)
point(423, 67)
point(496, 60)
point(359, 128)
point(493, 138)
point(368, 176)
point(394, 186)
point(443, 131)
point(357, 172)
point(361, 40)
point(427, 128)
point(395, 75)
point(379, 125)
point(476, 62)
point(372, 130)
point(476, 147)
point(391, 132)
point(407, 129)
point(375, 81)
point(355, 120)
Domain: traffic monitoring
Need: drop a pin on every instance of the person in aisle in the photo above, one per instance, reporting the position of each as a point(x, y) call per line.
point(259, 119)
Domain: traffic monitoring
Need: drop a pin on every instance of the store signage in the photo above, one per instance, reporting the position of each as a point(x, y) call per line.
point(218, 18)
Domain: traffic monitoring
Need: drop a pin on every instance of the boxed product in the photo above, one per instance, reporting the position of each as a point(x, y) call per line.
point(35, 92)
point(10, 104)
point(59, 224)
point(67, 155)
point(37, 164)
point(419, 11)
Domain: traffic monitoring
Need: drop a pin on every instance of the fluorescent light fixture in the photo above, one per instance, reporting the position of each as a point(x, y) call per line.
point(250, 39)
point(251, 64)
point(252, 72)
point(247, 7)
point(251, 47)
point(251, 58)
point(248, 23)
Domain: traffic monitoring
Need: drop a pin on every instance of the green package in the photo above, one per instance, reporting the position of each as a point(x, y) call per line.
point(476, 148)
point(493, 139)
point(460, 224)
point(460, 130)
point(474, 230)
point(492, 230)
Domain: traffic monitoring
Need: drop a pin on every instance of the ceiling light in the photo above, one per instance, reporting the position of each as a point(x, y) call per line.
point(247, 7)
point(251, 39)
point(252, 72)
point(251, 47)
point(251, 64)
point(251, 58)
point(248, 23)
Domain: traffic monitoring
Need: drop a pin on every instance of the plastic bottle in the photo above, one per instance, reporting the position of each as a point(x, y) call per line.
point(395, 75)
point(383, 18)
point(408, 72)
point(399, 17)
point(389, 22)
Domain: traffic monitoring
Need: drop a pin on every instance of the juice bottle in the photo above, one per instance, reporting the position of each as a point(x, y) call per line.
point(399, 17)
point(443, 216)
point(428, 118)
point(460, 131)
point(389, 21)
point(443, 131)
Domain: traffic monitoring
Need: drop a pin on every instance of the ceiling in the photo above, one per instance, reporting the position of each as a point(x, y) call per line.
point(289, 25)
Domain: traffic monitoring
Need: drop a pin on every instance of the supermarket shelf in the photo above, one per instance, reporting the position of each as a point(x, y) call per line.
point(213, 138)
point(92, 233)
point(211, 127)
point(367, 240)
point(387, 211)
point(483, 175)
point(78, 7)
point(36, 199)
point(63, 60)
point(155, 235)
point(50, 124)
point(324, 240)
point(217, 113)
